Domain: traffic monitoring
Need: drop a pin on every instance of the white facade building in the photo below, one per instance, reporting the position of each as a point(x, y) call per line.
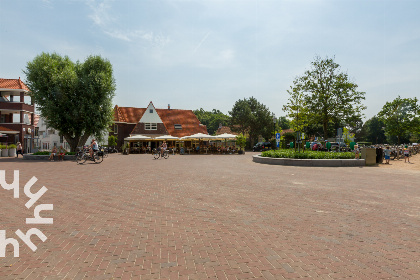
point(46, 138)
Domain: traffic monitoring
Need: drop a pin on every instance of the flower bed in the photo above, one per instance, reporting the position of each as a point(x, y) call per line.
point(290, 153)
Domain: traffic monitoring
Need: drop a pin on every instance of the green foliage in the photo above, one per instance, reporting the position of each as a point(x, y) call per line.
point(241, 141)
point(290, 153)
point(401, 117)
point(284, 123)
point(289, 137)
point(323, 95)
point(41, 153)
point(296, 109)
point(212, 119)
point(3, 147)
point(11, 146)
point(372, 131)
point(112, 141)
point(251, 117)
point(73, 98)
point(347, 136)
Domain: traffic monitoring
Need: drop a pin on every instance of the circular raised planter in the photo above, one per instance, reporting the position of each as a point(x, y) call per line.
point(309, 162)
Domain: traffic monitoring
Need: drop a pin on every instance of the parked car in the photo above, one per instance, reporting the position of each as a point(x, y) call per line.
point(335, 145)
point(262, 146)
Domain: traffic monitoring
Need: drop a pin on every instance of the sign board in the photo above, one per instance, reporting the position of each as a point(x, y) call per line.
point(278, 144)
point(277, 137)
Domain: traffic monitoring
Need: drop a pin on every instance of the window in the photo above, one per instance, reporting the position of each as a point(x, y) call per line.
point(2, 119)
point(150, 126)
point(115, 129)
point(61, 139)
point(36, 131)
point(151, 111)
point(178, 126)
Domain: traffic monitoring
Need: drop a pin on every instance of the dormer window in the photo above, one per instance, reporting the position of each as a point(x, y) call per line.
point(178, 126)
point(150, 126)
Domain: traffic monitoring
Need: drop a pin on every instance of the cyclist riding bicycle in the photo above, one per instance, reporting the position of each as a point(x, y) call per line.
point(93, 147)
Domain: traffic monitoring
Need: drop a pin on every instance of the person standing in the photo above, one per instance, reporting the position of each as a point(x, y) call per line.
point(406, 155)
point(356, 151)
point(19, 149)
point(387, 153)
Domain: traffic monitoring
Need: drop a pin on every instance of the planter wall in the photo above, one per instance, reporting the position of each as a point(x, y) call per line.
point(309, 162)
point(4, 153)
point(12, 152)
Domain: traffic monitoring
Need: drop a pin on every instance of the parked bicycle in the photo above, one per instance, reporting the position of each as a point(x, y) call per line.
point(157, 154)
point(84, 155)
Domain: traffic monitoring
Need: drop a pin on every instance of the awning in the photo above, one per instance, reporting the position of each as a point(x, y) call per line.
point(136, 137)
point(166, 137)
point(199, 136)
point(7, 130)
point(226, 136)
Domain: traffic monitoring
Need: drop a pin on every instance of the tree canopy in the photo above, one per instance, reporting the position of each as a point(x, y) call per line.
point(373, 131)
point(327, 95)
point(251, 117)
point(74, 98)
point(212, 119)
point(284, 123)
point(401, 117)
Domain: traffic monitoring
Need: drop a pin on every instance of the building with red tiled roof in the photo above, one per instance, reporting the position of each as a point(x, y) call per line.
point(225, 129)
point(152, 122)
point(16, 113)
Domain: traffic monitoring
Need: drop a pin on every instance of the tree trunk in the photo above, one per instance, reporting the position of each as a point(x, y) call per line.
point(325, 128)
point(73, 141)
point(76, 141)
point(82, 140)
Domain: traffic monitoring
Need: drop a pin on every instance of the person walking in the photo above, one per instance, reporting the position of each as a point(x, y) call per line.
point(19, 149)
point(387, 153)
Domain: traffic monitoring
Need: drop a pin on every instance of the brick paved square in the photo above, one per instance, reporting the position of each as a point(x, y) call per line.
point(214, 217)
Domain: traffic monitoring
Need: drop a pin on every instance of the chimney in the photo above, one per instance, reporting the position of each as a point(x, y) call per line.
point(169, 106)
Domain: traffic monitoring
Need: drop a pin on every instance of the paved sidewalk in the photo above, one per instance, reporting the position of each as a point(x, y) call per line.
point(214, 217)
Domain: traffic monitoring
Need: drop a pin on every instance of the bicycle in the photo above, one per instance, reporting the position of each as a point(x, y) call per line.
point(157, 154)
point(84, 155)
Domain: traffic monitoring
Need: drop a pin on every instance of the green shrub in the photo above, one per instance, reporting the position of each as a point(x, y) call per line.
point(45, 153)
point(12, 146)
point(3, 147)
point(290, 153)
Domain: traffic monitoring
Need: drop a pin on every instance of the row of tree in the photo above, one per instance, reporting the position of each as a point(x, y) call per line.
point(320, 101)
point(75, 98)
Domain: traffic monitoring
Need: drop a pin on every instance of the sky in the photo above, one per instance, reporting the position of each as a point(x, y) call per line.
point(208, 54)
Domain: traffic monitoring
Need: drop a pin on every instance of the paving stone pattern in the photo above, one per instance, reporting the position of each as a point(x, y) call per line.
point(214, 217)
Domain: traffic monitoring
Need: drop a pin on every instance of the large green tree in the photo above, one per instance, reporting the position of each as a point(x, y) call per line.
point(401, 117)
point(212, 119)
point(284, 123)
point(74, 98)
point(329, 95)
point(251, 117)
point(373, 131)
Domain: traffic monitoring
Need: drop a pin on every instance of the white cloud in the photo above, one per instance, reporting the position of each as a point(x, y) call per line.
point(101, 17)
